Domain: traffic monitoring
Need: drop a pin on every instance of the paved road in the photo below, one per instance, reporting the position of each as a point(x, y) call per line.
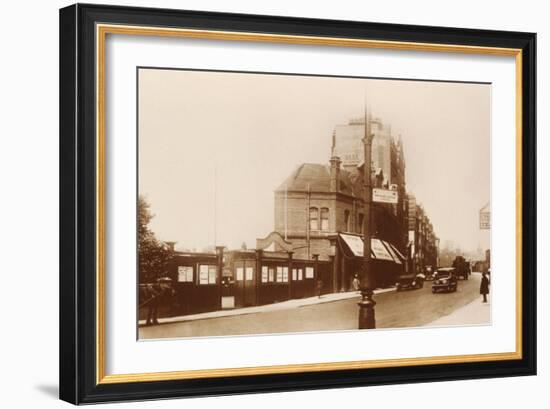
point(393, 310)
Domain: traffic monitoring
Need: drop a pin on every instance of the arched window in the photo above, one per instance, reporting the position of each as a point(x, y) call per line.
point(360, 223)
point(346, 220)
point(324, 219)
point(313, 218)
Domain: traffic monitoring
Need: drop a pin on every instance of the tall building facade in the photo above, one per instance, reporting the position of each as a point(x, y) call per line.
point(387, 157)
point(423, 242)
point(347, 144)
point(318, 201)
point(319, 204)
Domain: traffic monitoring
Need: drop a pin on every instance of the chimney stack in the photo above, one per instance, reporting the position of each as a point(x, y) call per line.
point(334, 173)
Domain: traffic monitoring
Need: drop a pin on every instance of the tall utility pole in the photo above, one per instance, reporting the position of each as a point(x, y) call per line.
point(367, 318)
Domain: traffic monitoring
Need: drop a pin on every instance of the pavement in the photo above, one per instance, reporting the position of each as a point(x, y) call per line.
point(474, 313)
point(285, 305)
point(334, 312)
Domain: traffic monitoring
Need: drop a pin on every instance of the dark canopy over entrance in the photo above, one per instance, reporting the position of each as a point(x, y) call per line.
point(387, 261)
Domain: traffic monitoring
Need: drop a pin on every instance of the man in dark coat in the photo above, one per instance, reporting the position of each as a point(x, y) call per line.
point(319, 287)
point(484, 287)
point(156, 294)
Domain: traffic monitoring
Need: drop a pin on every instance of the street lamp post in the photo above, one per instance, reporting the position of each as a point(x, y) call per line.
point(366, 305)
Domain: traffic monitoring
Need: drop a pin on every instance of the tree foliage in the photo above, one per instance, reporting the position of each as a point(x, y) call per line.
point(154, 255)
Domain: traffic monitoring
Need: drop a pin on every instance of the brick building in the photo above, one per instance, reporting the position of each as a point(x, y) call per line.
point(424, 243)
point(318, 203)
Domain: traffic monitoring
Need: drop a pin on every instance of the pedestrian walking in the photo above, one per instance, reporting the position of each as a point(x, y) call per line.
point(355, 283)
point(484, 286)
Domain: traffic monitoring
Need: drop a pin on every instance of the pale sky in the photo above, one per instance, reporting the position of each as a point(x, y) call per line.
point(214, 146)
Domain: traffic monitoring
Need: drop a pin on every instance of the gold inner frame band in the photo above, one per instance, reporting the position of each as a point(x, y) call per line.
point(101, 33)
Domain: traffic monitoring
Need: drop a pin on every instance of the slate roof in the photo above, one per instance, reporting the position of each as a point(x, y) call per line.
point(317, 176)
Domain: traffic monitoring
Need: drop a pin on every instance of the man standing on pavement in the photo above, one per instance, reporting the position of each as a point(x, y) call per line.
point(160, 293)
point(319, 287)
point(484, 287)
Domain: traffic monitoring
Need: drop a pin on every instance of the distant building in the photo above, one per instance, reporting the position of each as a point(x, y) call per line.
point(423, 242)
point(348, 145)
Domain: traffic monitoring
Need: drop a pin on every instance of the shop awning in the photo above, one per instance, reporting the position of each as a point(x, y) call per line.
point(380, 249)
point(396, 253)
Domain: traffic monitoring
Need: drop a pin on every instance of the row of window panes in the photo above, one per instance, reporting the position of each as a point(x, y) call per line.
point(347, 221)
point(242, 273)
point(314, 219)
point(207, 274)
point(279, 274)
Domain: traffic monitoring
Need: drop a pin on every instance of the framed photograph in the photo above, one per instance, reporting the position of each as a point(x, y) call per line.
point(257, 203)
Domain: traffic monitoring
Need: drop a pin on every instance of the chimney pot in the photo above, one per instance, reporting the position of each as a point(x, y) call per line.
point(335, 163)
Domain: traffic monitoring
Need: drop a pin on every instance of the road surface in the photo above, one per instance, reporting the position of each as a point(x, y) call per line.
point(412, 308)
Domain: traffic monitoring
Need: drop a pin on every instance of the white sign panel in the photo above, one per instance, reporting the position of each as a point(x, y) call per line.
point(384, 196)
point(240, 274)
point(185, 274)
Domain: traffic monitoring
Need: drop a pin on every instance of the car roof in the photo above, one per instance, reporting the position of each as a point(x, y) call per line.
point(445, 269)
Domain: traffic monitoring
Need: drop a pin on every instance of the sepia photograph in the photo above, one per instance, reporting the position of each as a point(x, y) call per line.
point(276, 203)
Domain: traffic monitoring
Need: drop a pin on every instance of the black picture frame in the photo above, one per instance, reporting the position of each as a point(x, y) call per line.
point(78, 236)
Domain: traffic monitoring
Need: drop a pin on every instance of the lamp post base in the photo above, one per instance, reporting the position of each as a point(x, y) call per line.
point(367, 318)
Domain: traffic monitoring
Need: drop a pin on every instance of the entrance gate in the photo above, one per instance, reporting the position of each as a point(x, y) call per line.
point(245, 283)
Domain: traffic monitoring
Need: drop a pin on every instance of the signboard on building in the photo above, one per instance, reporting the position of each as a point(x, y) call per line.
point(485, 217)
point(185, 274)
point(384, 196)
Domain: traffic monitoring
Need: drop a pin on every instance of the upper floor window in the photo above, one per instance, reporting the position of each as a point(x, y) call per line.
point(313, 218)
point(360, 222)
point(324, 219)
point(346, 220)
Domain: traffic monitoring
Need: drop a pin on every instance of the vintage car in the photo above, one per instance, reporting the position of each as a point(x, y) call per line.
point(445, 281)
point(462, 267)
point(410, 282)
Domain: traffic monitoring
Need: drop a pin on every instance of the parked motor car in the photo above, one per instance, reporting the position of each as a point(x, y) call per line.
point(410, 282)
point(446, 280)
